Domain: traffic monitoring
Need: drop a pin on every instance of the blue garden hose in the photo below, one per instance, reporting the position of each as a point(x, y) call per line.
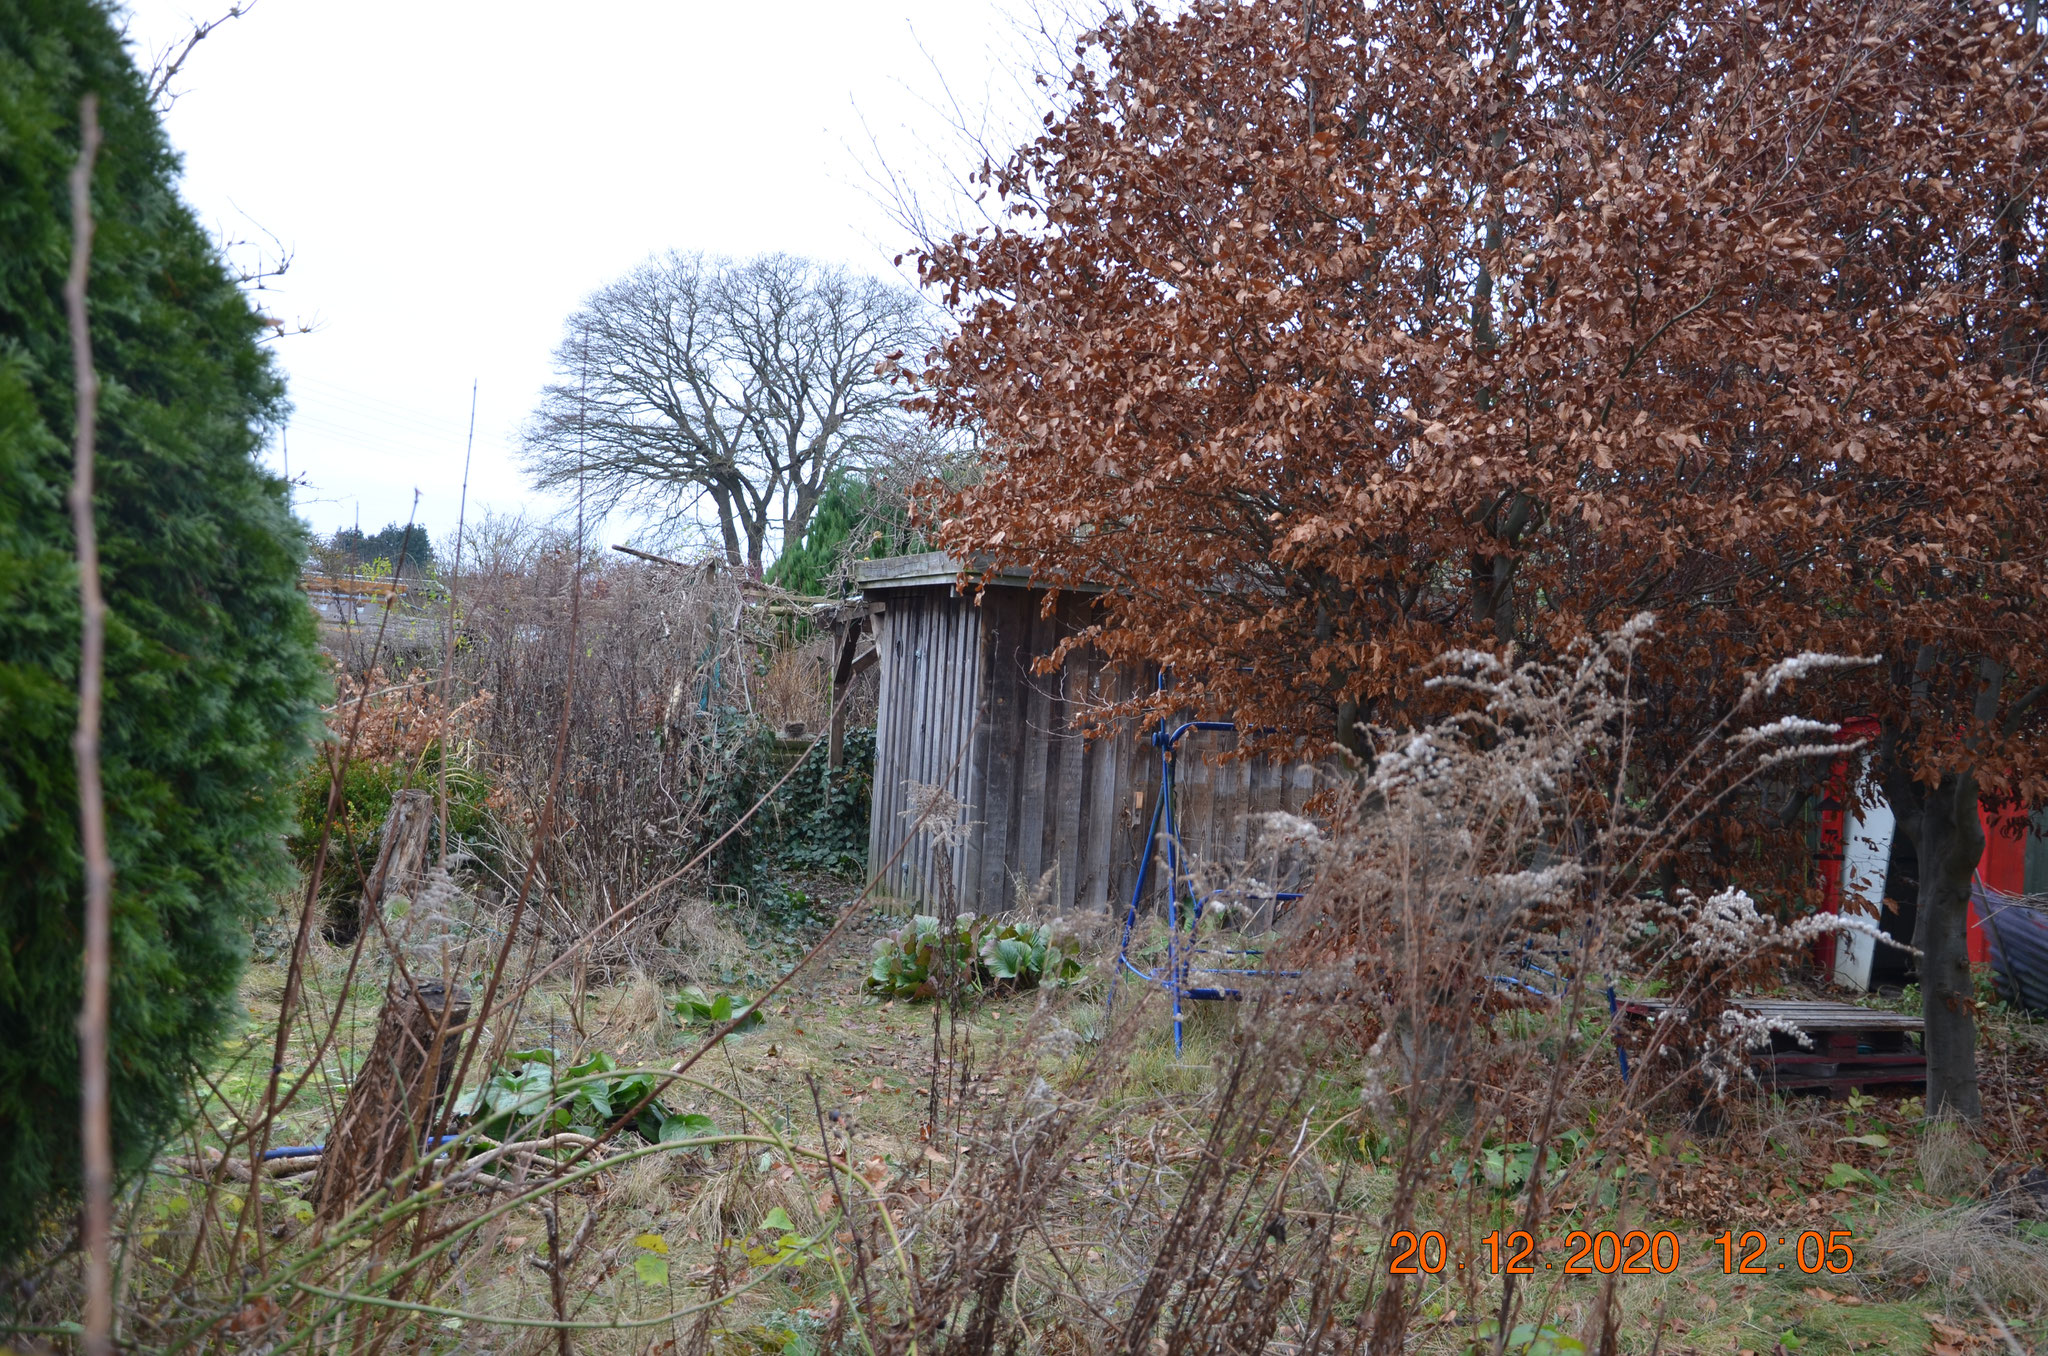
point(315, 1150)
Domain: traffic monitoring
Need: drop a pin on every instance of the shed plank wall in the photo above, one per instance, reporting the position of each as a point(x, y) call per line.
point(1039, 797)
point(930, 682)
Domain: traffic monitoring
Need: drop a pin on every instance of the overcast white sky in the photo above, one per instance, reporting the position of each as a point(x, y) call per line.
point(453, 177)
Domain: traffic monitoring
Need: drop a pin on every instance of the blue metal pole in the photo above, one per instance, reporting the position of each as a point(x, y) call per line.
point(1174, 962)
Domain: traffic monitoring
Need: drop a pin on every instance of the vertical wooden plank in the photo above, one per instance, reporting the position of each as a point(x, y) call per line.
point(1251, 795)
point(906, 736)
point(1100, 808)
point(1137, 786)
point(959, 720)
point(897, 753)
point(973, 764)
point(934, 772)
point(1017, 744)
point(1138, 774)
point(927, 736)
point(880, 844)
point(1129, 820)
point(904, 631)
point(973, 721)
point(997, 617)
point(1069, 798)
point(1195, 772)
point(1035, 752)
point(906, 742)
point(889, 748)
point(1027, 815)
point(1108, 805)
point(1234, 807)
point(1247, 810)
point(916, 619)
point(1064, 784)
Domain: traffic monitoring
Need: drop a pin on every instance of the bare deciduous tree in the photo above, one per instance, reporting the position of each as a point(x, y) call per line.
point(745, 384)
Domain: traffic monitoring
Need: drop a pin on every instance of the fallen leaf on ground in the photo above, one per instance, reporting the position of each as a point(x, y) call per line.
point(1945, 1330)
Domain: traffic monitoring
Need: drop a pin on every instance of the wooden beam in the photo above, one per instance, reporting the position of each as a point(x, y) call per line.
point(649, 555)
point(847, 633)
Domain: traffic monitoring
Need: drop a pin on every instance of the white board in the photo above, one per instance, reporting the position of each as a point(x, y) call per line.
point(1866, 859)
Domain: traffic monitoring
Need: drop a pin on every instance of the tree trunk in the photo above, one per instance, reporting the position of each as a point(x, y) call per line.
point(797, 520)
point(402, 853)
point(400, 868)
point(728, 533)
point(757, 543)
point(1942, 824)
point(1951, 843)
point(1493, 572)
point(394, 1098)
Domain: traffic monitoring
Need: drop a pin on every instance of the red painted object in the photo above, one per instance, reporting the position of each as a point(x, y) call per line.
point(2004, 866)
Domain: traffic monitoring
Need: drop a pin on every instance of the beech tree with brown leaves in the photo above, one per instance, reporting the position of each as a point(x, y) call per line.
point(1335, 335)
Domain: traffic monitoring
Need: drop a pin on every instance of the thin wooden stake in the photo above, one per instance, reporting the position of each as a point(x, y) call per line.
point(448, 659)
point(94, 1127)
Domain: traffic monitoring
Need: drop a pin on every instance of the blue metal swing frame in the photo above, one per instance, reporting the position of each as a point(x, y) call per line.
point(1184, 917)
point(1181, 977)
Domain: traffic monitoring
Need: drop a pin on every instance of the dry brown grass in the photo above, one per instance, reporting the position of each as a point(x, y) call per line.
point(1952, 1163)
point(1973, 1249)
point(797, 688)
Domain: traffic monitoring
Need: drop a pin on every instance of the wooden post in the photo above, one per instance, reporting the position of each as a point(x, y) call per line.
point(847, 631)
point(395, 1097)
point(400, 1084)
point(402, 851)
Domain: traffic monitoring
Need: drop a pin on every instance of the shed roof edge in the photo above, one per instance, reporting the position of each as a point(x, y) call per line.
point(940, 567)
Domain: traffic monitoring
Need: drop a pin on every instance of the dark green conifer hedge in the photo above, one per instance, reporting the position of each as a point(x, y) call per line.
point(211, 664)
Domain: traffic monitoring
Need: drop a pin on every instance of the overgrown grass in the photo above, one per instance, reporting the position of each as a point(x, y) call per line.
point(999, 1169)
point(871, 1065)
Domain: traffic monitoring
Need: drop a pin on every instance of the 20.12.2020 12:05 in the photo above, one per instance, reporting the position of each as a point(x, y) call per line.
point(1635, 1252)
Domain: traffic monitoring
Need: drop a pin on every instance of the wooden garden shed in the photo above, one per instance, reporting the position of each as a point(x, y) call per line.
point(1046, 816)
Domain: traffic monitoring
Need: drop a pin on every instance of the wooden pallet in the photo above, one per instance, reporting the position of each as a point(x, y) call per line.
point(1853, 1047)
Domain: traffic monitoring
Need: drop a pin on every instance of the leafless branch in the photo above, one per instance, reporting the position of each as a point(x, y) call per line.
point(166, 67)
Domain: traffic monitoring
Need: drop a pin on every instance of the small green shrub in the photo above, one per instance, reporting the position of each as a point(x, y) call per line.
point(782, 1245)
point(693, 1006)
point(991, 953)
point(743, 756)
point(1024, 956)
point(525, 1098)
point(366, 794)
point(822, 814)
point(818, 821)
point(902, 963)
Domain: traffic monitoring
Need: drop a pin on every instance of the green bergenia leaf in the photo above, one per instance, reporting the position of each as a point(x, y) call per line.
point(599, 1063)
point(687, 1126)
